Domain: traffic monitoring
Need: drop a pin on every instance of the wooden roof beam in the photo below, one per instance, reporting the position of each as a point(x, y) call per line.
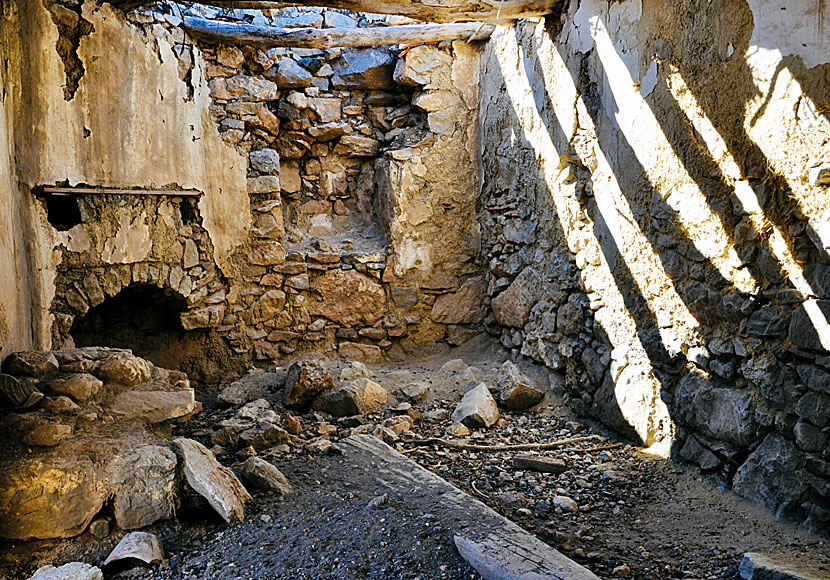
point(269, 37)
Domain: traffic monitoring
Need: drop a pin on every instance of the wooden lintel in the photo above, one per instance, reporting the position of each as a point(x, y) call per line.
point(425, 10)
point(270, 37)
point(110, 191)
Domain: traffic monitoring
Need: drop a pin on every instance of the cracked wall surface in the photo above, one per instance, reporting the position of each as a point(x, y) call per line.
point(654, 237)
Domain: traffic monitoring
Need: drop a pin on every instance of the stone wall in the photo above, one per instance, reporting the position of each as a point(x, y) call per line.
point(657, 233)
point(322, 219)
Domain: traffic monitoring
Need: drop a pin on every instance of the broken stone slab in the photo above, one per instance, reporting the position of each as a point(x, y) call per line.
point(415, 392)
point(136, 548)
point(249, 415)
point(757, 566)
point(540, 463)
point(32, 364)
point(143, 486)
point(306, 381)
point(17, 394)
point(367, 353)
point(213, 481)
point(802, 331)
point(71, 571)
point(49, 498)
point(516, 391)
point(263, 475)
point(358, 397)
point(477, 408)
point(154, 406)
point(79, 386)
point(356, 146)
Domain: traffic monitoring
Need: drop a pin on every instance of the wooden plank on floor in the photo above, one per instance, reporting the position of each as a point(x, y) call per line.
point(496, 547)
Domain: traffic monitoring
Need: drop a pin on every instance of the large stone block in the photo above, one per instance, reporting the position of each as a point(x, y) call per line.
point(767, 476)
point(358, 397)
point(364, 68)
point(49, 497)
point(347, 297)
point(144, 486)
point(512, 307)
point(465, 306)
point(477, 408)
point(802, 328)
point(306, 381)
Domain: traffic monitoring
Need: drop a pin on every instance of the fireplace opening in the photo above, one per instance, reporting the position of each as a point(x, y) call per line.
point(145, 319)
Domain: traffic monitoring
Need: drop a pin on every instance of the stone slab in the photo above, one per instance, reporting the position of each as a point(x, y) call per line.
point(493, 545)
point(757, 566)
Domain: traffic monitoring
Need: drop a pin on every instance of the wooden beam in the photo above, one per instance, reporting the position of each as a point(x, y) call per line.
point(270, 37)
point(109, 191)
point(426, 10)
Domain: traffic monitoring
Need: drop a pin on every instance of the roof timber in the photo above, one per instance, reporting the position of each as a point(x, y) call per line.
point(424, 10)
point(269, 37)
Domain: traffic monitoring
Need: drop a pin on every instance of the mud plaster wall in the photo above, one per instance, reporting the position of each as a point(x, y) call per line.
point(131, 123)
point(652, 234)
point(15, 307)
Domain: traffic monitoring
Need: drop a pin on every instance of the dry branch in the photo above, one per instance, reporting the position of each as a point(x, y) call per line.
point(270, 37)
point(426, 10)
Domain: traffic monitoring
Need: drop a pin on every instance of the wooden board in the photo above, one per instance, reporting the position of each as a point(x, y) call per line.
point(496, 547)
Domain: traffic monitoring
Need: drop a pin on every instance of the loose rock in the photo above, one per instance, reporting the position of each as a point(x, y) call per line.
point(477, 408)
point(263, 475)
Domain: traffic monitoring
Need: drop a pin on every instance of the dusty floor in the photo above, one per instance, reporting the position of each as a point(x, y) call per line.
point(660, 519)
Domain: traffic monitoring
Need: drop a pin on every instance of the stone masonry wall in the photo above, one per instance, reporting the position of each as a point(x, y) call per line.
point(323, 222)
point(656, 228)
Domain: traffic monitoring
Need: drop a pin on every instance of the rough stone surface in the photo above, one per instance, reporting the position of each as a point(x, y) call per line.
point(364, 68)
point(512, 307)
point(71, 571)
point(78, 386)
point(144, 486)
point(263, 475)
point(216, 483)
point(306, 380)
point(465, 306)
point(142, 547)
point(347, 297)
point(358, 397)
point(31, 364)
point(69, 495)
point(756, 566)
point(154, 406)
point(368, 353)
point(477, 408)
point(767, 474)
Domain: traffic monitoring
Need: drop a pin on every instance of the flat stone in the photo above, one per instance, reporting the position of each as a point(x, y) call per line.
point(347, 297)
point(357, 146)
point(47, 434)
point(465, 306)
point(78, 386)
point(512, 307)
point(71, 571)
point(264, 184)
point(477, 408)
point(213, 481)
point(267, 253)
point(143, 486)
point(415, 392)
point(333, 19)
point(154, 406)
point(49, 498)
point(263, 475)
point(288, 74)
point(329, 131)
point(516, 391)
point(814, 377)
point(367, 353)
point(757, 566)
point(137, 547)
point(243, 88)
point(421, 64)
point(364, 68)
point(248, 388)
point(358, 397)
point(306, 381)
point(815, 407)
point(265, 160)
point(768, 320)
point(327, 109)
point(31, 364)
point(435, 101)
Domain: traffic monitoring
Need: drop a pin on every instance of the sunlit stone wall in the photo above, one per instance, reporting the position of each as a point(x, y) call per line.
point(657, 230)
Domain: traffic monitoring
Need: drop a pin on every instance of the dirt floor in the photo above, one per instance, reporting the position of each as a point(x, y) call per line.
point(637, 516)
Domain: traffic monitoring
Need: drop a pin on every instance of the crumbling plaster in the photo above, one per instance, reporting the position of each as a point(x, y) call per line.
point(133, 123)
